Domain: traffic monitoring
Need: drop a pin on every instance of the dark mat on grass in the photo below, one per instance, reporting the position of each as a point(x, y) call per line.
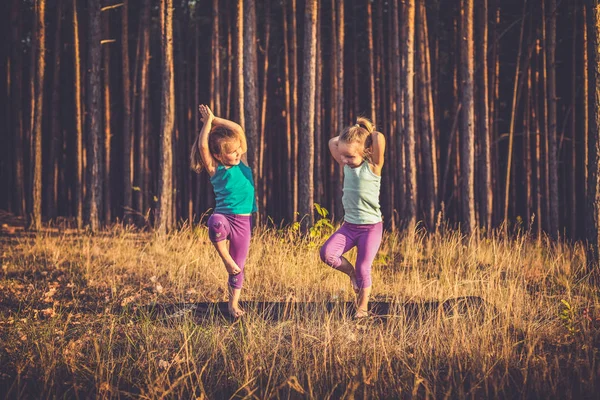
point(469, 306)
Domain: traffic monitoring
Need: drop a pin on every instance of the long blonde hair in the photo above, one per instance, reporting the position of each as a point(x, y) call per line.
point(218, 139)
point(359, 133)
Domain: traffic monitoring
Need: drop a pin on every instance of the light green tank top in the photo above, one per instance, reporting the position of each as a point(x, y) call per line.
point(361, 195)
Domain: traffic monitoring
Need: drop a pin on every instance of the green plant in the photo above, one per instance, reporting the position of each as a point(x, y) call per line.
point(567, 317)
point(323, 225)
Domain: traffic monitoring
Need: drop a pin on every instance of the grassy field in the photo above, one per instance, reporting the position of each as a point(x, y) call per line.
point(71, 325)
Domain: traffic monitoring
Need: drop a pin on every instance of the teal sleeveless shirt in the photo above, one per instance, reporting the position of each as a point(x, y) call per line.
point(361, 195)
point(234, 189)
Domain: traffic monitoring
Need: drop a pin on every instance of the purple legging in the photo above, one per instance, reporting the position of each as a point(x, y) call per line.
point(366, 237)
point(236, 229)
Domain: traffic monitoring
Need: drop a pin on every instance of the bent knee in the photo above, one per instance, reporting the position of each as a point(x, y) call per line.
point(330, 258)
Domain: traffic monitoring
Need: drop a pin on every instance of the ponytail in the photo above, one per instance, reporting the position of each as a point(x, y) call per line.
point(359, 132)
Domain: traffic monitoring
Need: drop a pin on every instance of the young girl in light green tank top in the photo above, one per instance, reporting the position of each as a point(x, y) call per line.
point(359, 150)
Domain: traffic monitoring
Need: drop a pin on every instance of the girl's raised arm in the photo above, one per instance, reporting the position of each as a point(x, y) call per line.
point(207, 119)
point(333, 148)
point(378, 151)
point(235, 127)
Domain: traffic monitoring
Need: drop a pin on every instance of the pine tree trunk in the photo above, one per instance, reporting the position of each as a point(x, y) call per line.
point(573, 175)
point(467, 137)
point(318, 167)
point(427, 135)
point(486, 192)
point(262, 183)
point(164, 220)
point(51, 193)
point(140, 180)
point(216, 57)
point(127, 159)
point(409, 118)
point(594, 173)
point(240, 62)
point(93, 119)
point(369, 21)
point(78, 197)
point(307, 148)
point(250, 86)
point(40, 69)
point(294, 109)
point(538, 145)
point(339, 100)
point(288, 120)
point(511, 131)
point(107, 128)
point(399, 167)
point(16, 100)
point(553, 161)
point(585, 105)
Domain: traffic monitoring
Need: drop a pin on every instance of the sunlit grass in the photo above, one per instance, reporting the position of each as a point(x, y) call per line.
point(68, 327)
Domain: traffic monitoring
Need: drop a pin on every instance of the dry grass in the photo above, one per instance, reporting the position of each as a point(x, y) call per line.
point(65, 332)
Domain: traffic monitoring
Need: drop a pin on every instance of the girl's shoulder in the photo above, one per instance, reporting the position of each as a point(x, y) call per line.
point(374, 169)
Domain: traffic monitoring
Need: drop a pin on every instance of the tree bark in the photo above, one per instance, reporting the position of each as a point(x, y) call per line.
point(250, 86)
point(127, 154)
point(427, 134)
point(240, 62)
point(78, 189)
point(51, 192)
point(594, 173)
point(16, 100)
point(512, 120)
point(409, 118)
point(486, 190)
point(467, 138)
point(40, 70)
point(93, 120)
point(164, 218)
point(553, 161)
point(306, 161)
point(107, 125)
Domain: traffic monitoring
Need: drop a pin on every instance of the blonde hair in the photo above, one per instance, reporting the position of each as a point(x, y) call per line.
point(359, 132)
point(218, 139)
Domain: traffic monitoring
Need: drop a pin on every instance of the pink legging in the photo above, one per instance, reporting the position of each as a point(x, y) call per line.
point(366, 238)
point(237, 229)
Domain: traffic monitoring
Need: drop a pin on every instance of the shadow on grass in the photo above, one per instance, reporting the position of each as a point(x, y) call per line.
point(468, 306)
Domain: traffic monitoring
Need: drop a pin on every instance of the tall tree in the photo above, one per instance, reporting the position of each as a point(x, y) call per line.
point(467, 137)
point(40, 70)
point(106, 190)
point(164, 217)
point(426, 117)
point(239, 50)
point(141, 179)
point(485, 165)
point(593, 229)
point(338, 76)
point(250, 85)
point(93, 120)
point(398, 93)
point(51, 192)
point(306, 160)
point(409, 117)
point(553, 159)
point(288, 119)
point(513, 117)
point(78, 189)
point(127, 159)
point(16, 98)
point(369, 19)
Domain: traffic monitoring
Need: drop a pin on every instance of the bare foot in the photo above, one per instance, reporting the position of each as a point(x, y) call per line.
point(361, 314)
point(235, 311)
point(232, 268)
